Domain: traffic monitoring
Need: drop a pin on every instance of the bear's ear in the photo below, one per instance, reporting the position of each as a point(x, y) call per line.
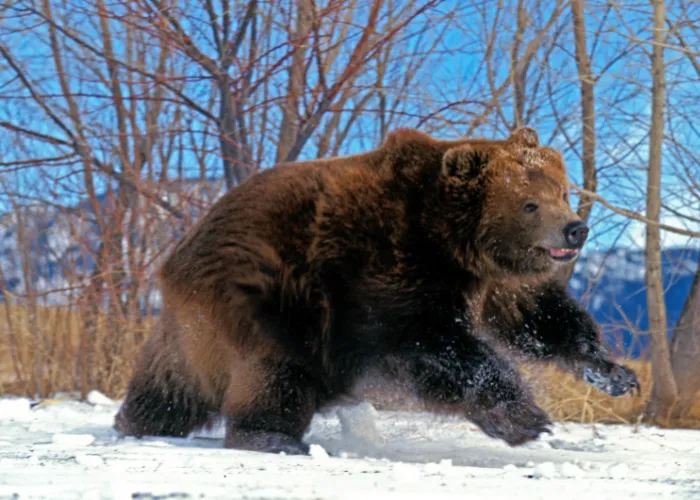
point(525, 136)
point(465, 162)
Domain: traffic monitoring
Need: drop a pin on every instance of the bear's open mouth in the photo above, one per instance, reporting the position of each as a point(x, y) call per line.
point(565, 254)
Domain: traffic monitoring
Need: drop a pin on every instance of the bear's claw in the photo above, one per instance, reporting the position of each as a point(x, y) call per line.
point(616, 380)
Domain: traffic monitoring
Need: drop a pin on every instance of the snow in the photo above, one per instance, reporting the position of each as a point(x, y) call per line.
point(316, 451)
point(67, 449)
point(73, 440)
point(571, 470)
point(97, 398)
point(545, 469)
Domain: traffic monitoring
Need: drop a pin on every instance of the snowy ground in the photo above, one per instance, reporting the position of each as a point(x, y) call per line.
point(67, 449)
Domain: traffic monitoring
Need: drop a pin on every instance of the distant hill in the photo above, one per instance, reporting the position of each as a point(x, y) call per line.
point(609, 284)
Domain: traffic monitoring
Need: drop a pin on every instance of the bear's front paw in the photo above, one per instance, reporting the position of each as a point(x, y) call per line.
point(515, 422)
point(612, 379)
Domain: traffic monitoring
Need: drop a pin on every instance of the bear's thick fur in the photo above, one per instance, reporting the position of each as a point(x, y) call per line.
point(424, 262)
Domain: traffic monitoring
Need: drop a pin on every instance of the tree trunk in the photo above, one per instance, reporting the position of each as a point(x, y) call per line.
point(518, 71)
point(685, 347)
point(664, 392)
point(685, 351)
point(295, 88)
point(232, 136)
point(586, 82)
point(86, 362)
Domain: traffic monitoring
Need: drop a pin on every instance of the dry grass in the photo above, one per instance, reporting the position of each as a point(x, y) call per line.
point(40, 352)
point(567, 399)
point(56, 334)
point(52, 333)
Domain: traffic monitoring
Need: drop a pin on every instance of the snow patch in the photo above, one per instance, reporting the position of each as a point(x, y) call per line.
point(89, 460)
point(15, 409)
point(97, 398)
point(317, 452)
point(571, 470)
point(67, 449)
point(359, 422)
point(619, 471)
point(405, 473)
point(545, 470)
point(73, 439)
point(439, 467)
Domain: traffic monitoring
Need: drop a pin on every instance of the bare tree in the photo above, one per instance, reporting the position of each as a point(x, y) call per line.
point(127, 119)
point(685, 352)
point(296, 86)
point(665, 390)
point(587, 86)
point(685, 346)
point(123, 126)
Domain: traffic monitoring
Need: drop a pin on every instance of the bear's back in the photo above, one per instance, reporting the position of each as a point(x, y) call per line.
point(269, 217)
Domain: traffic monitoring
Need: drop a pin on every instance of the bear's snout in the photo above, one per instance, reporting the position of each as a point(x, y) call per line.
point(576, 234)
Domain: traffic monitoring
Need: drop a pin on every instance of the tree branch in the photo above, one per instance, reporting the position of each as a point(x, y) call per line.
point(634, 215)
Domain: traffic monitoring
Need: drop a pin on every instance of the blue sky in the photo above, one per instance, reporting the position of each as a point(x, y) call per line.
point(454, 71)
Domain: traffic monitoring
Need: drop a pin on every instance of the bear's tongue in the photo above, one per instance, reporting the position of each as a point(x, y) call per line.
point(562, 252)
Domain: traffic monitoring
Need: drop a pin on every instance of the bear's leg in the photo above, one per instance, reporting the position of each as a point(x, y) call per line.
point(560, 330)
point(162, 399)
point(275, 418)
point(463, 375)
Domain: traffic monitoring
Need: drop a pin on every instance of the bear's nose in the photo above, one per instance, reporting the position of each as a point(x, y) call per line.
point(576, 233)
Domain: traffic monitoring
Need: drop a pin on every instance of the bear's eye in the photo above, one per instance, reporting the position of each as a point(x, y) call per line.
point(566, 196)
point(530, 207)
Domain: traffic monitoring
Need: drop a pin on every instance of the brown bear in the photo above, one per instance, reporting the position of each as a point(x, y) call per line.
point(428, 262)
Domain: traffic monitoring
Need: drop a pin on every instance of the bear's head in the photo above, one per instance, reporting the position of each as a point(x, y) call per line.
point(506, 206)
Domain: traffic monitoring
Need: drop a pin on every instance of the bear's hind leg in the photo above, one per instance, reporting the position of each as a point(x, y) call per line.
point(275, 417)
point(162, 400)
